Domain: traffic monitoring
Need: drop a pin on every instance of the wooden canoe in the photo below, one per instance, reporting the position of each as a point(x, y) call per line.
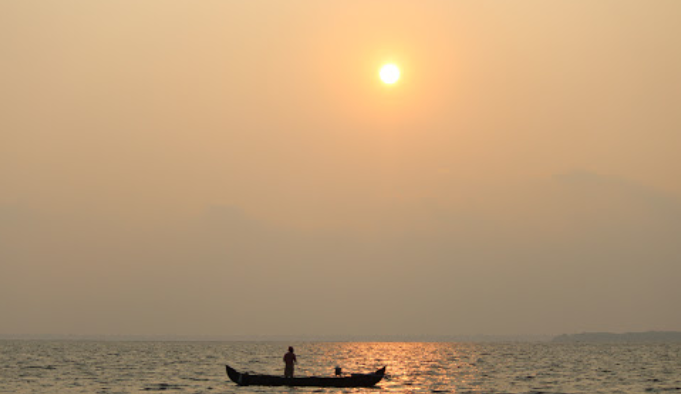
point(354, 380)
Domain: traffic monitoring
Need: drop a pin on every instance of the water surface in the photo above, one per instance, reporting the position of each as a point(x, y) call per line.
point(198, 367)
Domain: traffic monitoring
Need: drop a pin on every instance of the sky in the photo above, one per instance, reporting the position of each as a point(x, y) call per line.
point(228, 168)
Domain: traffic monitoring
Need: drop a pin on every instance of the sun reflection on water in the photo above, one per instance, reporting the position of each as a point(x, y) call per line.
point(412, 367)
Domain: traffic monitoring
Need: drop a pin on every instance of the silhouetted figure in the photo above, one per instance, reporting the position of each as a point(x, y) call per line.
point(339, 371)
point(289, 359)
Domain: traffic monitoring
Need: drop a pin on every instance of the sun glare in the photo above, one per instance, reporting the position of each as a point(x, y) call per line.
point(389, 73)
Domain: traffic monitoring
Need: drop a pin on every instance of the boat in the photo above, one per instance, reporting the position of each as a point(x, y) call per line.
point(353, 380)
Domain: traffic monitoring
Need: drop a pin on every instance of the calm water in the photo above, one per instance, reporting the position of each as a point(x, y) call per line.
point(198, 367)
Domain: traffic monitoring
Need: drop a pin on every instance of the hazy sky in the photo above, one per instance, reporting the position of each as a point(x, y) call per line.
point(237, 167)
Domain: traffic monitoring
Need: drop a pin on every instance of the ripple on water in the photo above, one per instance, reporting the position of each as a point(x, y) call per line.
point(163, 386)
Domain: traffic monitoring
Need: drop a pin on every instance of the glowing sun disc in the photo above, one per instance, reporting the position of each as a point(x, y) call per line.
point(389, 73)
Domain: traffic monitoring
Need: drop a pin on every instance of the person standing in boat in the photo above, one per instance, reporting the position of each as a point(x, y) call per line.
point(289, 359)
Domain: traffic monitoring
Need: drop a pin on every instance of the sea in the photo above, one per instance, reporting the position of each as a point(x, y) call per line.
point(28, 366)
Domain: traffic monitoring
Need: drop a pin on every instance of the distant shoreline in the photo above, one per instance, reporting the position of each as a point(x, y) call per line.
point(585, 337)
point(627, 337)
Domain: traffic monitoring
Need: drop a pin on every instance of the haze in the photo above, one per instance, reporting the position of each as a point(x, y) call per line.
point(238, 168)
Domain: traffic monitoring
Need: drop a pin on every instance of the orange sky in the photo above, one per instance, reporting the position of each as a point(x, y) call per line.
point(526, 160)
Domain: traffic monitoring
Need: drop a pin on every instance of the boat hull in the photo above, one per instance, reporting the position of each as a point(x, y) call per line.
point(354, 380)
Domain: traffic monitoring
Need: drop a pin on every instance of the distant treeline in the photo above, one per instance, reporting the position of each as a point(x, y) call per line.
point(648, 336)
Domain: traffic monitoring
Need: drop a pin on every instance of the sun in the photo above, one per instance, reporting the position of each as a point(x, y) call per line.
point(389, 73)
